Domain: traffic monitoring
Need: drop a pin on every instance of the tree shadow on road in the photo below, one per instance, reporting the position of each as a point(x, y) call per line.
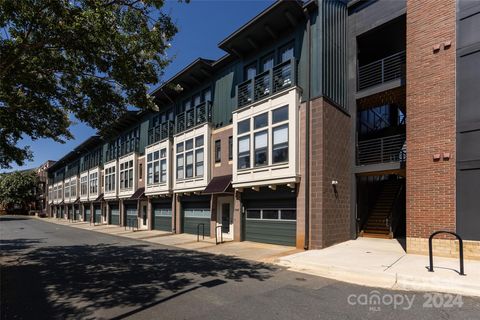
point(63, 282)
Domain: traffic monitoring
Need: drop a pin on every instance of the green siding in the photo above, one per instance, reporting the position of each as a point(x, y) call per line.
point(224, 94)
point(271, 231)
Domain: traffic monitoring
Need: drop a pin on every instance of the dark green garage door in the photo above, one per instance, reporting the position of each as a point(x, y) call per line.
point(98, 214)
point(162, 216)
point(277, 226)
point(76, 214)
point(131, 215)
point(114, 214)
point(270, 215)
point(87, 213)
point(192, 217)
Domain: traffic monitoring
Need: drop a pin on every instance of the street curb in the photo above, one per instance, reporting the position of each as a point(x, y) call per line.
point(385, 280)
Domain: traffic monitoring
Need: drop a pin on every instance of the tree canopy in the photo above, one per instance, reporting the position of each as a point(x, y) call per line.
point(88, 59)
point(17, 188)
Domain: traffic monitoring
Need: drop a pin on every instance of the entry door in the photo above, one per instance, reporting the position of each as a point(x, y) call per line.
point(225, 216)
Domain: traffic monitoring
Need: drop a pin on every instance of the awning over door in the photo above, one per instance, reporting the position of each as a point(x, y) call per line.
point(139, 194)
point(222, 184)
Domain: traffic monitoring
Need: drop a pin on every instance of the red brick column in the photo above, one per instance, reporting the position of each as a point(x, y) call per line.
point(430, 119)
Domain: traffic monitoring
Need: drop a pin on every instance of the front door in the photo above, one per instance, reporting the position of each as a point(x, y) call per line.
point(225, 216)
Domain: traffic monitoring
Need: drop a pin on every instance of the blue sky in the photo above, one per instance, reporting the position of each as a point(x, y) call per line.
point(202, 25)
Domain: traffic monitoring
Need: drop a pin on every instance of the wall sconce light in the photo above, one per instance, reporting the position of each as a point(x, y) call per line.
point(436, 157)
point(447, 44)
point(446, 155)
point(436, 48)
point(334, 182)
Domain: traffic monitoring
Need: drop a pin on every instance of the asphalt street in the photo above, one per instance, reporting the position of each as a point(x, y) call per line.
point(50, 271)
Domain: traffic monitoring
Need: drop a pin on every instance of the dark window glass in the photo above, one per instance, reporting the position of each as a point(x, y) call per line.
point(280, 144)
point(270, 214)
point(285, 53)
point(189, 164)
point(189, 144)
point(180, 147)
point(253, 214)
point(230, 148)
point(218, 151)
point(280, 114)
point(250, 71)
point(243, 126)
point(288, 214)
point(267, 62)
point(198, 141)
point(260, 121)
point(244, 152)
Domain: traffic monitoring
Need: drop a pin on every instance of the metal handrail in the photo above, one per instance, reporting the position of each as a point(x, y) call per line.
point(430, 249)
point(381, 71)
point(216, 235)
point(382, 150)
point(201, 113)
point(271, 81)
point(198, 231)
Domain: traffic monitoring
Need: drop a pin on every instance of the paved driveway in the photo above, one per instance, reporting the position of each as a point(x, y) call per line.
point(57, 272)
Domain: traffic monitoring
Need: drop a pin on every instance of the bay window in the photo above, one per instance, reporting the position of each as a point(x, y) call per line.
point(190, 158)
point(280, 144)
point(73, 188)
point(93, 182)
point(244, 152)
point(83, 185)
point(261, 148)
point(126, 175)
point(110, 179)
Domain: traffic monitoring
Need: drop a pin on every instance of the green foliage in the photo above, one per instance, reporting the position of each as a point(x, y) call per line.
point(88, 58)
point(17, 188)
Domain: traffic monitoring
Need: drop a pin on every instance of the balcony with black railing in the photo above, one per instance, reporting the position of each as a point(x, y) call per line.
point(160, 132)
point(199, 114)
point(381, 71)
point(280, 77)
point(382, 150)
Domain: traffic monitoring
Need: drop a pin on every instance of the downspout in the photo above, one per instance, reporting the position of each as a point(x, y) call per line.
point(307, 133)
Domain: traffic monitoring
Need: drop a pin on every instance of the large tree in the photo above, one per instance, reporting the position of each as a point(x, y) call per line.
point(17, 188)
point(88, 59)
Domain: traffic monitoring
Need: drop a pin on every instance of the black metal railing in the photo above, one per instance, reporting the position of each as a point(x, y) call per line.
point(382, 150)
point(160, 132)
point(122, 149)
point(381, 71)
point(199, 114)
point(280, 77)
point(198, 231)
point(460, 249)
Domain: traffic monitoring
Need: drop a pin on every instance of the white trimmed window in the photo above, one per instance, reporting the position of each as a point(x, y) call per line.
point(126, 175)
point(67, 189)
point(83, 185)
point(93, 182)
point(73, 188)
point(190, 158)
point(157, 167)
point(110, 179)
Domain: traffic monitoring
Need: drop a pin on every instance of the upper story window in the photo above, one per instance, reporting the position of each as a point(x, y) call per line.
point(157, 166)
point(267, 62)
point(218, 151)
point(197, 99)
point(110, 179)
point(250, 71)
point(274, 124)
point(230, 148)
point(93, 182)
point(83, 185)
point(73, 188)
point(190, 158)
point(126, 175)
point(286, 52)
point(67, 189)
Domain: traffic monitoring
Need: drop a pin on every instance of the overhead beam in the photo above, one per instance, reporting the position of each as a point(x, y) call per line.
point(235, 51)
point(252, 43)
point(271, 32)
point(291, 19)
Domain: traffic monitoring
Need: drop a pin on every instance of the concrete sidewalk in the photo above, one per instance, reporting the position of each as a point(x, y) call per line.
point(261, 252)
point(384, 263)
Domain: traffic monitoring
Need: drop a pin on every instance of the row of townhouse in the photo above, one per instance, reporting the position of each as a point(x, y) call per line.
point(325, 121)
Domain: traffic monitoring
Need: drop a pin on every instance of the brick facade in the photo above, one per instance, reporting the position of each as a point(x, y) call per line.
point(224, 167)
point(330, 160)
point(430, 118)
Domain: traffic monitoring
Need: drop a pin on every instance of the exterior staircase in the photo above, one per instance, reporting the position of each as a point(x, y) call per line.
point(378, 224)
